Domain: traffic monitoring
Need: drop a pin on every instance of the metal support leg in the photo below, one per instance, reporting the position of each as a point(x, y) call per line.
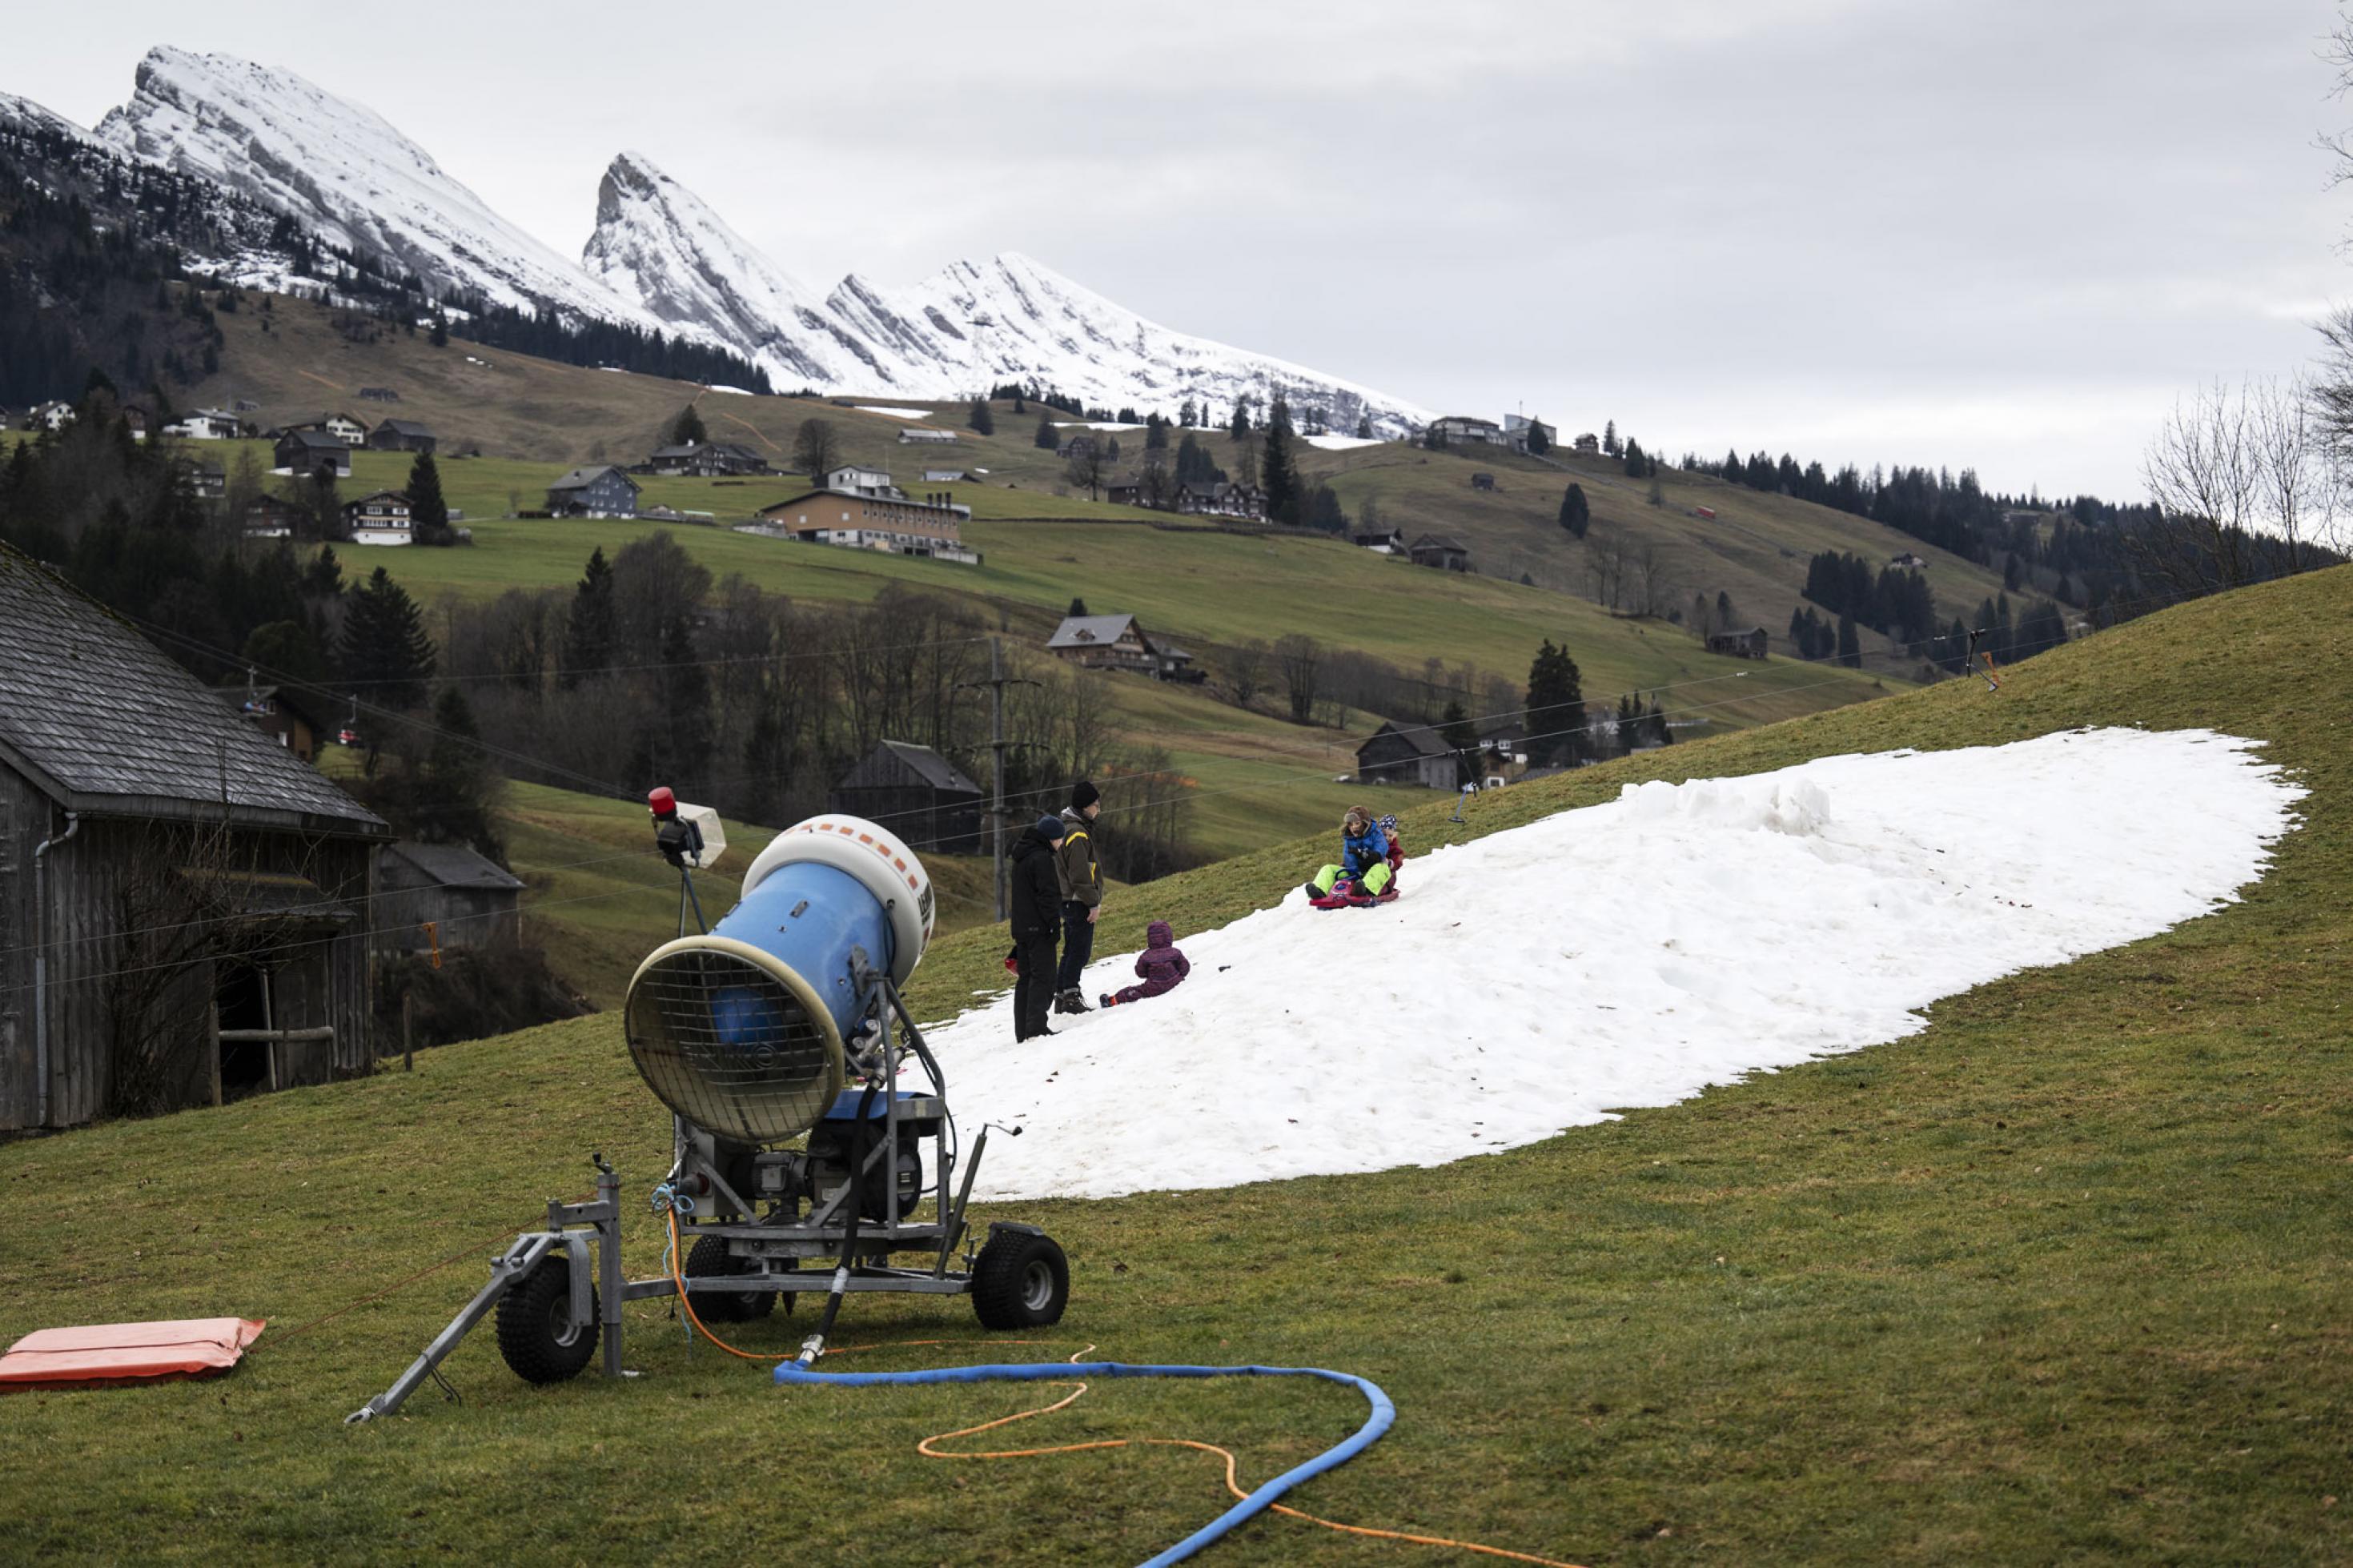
point(517, 1261)
point(609, 1269)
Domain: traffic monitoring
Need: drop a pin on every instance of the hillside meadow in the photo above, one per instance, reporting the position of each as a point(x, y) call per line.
point(2060, 1277)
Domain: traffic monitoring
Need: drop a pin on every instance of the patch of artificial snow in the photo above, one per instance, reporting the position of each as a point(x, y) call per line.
point(732, 391)
point(893, 412)
point(1626, 954)
point(1093, 424)
point(1341, 443)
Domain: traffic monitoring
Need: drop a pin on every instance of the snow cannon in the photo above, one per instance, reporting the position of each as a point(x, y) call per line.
point(742, 1030)
point(749, 1033)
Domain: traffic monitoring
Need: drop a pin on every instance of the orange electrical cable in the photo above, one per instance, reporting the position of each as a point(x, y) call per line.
point(1233, 1484)
point(686, 1302)
point(1078, 1392)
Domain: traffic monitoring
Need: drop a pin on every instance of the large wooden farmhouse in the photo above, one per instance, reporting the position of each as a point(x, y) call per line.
point(183, 906)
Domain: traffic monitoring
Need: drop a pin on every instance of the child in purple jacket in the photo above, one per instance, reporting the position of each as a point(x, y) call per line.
point(1160, 965)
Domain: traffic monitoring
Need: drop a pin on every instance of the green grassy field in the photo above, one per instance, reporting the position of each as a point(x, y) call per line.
point(2060, 1278)
point(510, 406)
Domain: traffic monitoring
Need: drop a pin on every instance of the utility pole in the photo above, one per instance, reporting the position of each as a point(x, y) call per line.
point(998, 744)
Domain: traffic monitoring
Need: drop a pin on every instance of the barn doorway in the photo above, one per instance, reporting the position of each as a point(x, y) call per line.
point(242, 994)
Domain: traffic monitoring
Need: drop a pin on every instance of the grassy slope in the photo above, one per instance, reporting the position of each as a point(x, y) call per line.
point(2060, 1277)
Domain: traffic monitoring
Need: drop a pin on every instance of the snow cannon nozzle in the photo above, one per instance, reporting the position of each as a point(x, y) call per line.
point(748, 1030)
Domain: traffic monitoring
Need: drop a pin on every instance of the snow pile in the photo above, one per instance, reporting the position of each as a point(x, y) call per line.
point(1341, 443)
point(893, 412)
point(1626, 954)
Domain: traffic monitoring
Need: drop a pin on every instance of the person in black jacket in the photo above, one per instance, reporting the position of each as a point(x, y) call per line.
point(1035, 903)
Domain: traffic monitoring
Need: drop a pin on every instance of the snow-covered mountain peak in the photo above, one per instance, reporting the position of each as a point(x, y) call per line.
point(660, 259)
point(23, 114)
point(344, 171)
point(657, 242)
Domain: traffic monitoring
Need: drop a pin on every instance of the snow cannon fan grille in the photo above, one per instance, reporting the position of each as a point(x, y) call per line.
point(740, 1030)
point(726, 1045)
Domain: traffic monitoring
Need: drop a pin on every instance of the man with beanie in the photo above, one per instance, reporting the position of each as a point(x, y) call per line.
point(1034, 902)
point(1082, 881)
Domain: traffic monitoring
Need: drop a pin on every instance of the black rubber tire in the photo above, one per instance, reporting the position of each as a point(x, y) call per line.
point(536, 1334)
point(1020, 1282)
point(708, 1258)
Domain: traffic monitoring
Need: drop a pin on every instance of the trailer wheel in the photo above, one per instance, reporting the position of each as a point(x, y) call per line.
point(1020, 1282)
point(708, 1259)
point(536, 1334)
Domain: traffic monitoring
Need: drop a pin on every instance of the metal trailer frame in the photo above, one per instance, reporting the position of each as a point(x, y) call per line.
point(775, 1246)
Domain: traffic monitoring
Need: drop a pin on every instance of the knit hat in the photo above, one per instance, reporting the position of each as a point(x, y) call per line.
point(1083, 795)
point(1050, 827)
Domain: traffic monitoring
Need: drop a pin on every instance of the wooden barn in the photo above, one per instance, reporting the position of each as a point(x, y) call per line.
point(444, 896)
point(916, 793)
point(1408, 753)
point(183, 906)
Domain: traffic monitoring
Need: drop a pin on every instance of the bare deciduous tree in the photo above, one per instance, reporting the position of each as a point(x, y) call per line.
point(1302, 658)
point(1606, 562)
point(817, 451)
point(1245, 666)
point(1089, 466)
point(2244, 482)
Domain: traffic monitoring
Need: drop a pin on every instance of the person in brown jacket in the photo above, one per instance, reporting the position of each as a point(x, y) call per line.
point(1082, 879)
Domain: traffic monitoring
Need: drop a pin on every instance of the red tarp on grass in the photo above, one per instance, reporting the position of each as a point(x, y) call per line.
point(108, 1353)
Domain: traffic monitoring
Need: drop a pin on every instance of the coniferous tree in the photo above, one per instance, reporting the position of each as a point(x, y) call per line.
point(1657, 721)
point(439, 336)
point(1575, 515)
point(1284, 503)
point(686, 429)
point(978, 418)
point(1078, 606)
point(454, 796)
point(1556, 715)
point(1538, 442)
point(1630, 719)
point(1364, 427)
point(1184, 414)
point(429, 514)
point(1156, 434)
point(1021, 405)
point(323, 577)
point(1610, 447)
point(1323, 511)
point(1850, 645)
point(592, 627)
point(386, 653)
point(1046, 438)
point(1241, 423)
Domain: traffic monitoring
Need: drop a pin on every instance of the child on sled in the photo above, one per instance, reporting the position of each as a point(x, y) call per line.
point(1367, 868)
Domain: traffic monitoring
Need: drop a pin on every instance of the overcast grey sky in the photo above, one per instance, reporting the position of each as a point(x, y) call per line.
point(1960, 232)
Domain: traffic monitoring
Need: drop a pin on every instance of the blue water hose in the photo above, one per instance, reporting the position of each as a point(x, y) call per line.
point(1383, 1416)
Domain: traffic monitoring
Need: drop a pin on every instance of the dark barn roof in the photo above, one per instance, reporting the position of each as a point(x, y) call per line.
point(101, 721)
point(454, 866)
point(890, 761)
point(1423, 738)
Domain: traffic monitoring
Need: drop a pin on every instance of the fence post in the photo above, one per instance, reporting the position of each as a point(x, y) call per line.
point(407, 1055)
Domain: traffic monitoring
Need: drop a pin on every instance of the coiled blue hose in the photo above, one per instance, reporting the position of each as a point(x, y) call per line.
point(1383, 1416)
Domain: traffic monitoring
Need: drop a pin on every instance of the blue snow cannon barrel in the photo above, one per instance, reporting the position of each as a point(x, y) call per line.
point(740, 1031)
